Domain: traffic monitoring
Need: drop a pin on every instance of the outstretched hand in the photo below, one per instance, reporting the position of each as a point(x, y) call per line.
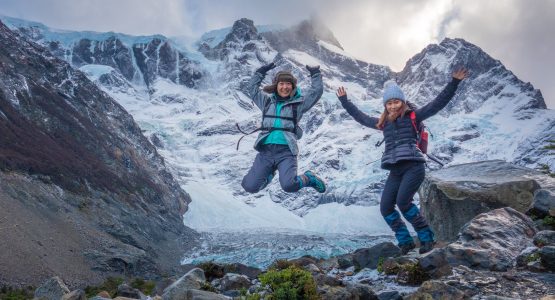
point(313, 69)
point(341, 92)
point(264, 69)
point(460, 73)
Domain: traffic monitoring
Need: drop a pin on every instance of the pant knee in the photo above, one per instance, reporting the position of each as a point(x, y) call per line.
point(386, 210)
point(290, 187)
point(249, 187)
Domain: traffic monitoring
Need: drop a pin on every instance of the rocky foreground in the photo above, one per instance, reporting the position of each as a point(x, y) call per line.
point(498, 254)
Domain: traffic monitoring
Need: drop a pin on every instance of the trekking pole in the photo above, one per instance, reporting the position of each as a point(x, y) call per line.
point(435, 159)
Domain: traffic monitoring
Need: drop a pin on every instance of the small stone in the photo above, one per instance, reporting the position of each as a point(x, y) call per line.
point(544, 238)
point(54, 288)
point(104, 294)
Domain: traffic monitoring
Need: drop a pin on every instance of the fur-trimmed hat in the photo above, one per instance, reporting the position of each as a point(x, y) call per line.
point(281, 76)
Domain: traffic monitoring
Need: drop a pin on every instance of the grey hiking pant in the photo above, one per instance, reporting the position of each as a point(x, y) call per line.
point(270, 158)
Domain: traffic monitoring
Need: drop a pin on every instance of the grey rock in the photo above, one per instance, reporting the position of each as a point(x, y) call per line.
point(389, 295)
point(232, 281)
point(125, 290)
point(198, 295)
point(75, 295)
point(545, 238)
point(450, 197)
point(435, 263)
point(99, 298)
point(53, 289)
point(232, 293)
point(193, 280)
point(535, 266)
point(369, 257)
point(496, 297)
point(547, 257)
point(433, 289)
point(492, 240)
point(526, 256)
point(323, 279)
point(350, 291)
point(543, 204)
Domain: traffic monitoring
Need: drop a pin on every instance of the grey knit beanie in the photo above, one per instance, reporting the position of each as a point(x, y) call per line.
point(392, 91)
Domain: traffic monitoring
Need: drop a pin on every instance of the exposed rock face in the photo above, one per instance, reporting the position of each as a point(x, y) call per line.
point(76, 166)
point(492, 240)
point(139, 61)
point(419, 72)
point(452, 196)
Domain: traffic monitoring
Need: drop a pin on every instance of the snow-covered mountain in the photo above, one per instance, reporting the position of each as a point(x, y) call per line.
point(188, 97)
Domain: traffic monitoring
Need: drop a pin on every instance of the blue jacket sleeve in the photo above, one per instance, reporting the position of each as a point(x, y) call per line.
point(439, 102)
point(358, 115)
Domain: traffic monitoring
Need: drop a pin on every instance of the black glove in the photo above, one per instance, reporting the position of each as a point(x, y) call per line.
point(264, 69)
point(313, 69)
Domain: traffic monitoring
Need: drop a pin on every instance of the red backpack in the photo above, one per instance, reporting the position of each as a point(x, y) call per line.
point(421, 134)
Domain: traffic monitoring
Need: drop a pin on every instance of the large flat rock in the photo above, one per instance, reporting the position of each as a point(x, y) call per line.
point(452, 196)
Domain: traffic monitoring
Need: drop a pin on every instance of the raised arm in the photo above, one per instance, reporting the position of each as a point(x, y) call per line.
point(443, 98)
point(356, 113)
point(253, 87)
point(316, 88)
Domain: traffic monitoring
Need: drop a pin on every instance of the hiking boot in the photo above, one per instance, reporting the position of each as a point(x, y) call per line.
point(406, 248)
point(314, 181)
point(426, 247)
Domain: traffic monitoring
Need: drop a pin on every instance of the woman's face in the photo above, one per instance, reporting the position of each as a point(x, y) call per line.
point(284, 89)
point(393, 106)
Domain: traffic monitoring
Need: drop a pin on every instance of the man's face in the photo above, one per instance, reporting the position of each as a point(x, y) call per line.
point(393, 106)
point(284, 89)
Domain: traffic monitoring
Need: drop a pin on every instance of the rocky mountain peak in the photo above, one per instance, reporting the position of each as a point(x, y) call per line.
point(430, 69)
point(316, 29)
point(243, 30)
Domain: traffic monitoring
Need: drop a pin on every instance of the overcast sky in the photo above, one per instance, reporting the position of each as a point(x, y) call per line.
point(517, 32)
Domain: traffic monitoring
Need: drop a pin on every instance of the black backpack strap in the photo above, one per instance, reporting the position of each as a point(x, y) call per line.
point(270, 129)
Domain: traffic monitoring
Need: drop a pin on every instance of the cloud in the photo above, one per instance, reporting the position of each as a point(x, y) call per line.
point(380, 32)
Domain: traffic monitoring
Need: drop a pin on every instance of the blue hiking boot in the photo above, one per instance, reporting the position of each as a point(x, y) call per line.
point(426, 237)
point(314, 181)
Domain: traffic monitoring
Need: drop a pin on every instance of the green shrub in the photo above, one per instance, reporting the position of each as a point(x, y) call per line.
point(292, 283)
point(380, 264)
point(549, 220)
point(206, 286)
point(212, 270)
point(9, 293)
point(110, 285)
point(281, 264)
point(146, 287)
point(412, 274)
point(533, 257)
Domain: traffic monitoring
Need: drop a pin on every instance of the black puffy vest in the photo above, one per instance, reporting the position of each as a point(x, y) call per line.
point(400, 142)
